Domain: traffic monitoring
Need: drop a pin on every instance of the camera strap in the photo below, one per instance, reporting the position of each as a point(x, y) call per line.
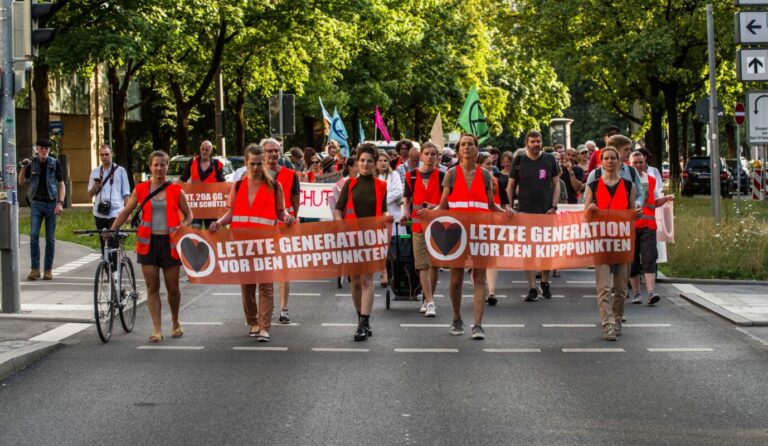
point(110, 178)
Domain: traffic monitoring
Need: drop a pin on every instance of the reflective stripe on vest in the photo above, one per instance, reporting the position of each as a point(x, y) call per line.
point(261, 212)
point(648, 219)
point(144, 231)
point(381, 189)
point(475, 199)
point(194, 176)
point(619, 200)
point(421, 195)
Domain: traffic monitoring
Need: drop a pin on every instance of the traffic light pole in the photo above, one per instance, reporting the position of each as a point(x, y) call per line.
point(9, 249)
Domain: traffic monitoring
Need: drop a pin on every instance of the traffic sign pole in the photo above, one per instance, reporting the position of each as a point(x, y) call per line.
point(714, 154)
point(739, 115)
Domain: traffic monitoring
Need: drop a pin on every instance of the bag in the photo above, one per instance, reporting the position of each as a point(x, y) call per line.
point(104, 207)
point(136, 219)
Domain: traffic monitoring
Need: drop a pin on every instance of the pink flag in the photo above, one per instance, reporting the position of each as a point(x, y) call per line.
point(381, 126)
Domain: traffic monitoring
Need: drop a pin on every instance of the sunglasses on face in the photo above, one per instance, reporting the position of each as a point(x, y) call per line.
point(315, 162)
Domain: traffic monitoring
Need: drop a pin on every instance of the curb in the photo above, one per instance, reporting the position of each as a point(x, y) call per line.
point(672, 280)
point(17, 360)
point(33, 317)
point(720, 311)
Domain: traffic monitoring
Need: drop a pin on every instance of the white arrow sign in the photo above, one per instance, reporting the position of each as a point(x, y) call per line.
point(752, 65)
point(757, 116)
point(752, 27)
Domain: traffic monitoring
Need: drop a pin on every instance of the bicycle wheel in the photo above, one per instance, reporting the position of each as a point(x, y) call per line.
point(128, 295)
point(104, 309)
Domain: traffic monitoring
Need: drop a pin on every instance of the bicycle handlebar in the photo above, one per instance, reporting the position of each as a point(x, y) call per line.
point(102, 231)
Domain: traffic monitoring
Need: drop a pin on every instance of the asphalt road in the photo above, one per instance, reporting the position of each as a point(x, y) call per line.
point(519, 386)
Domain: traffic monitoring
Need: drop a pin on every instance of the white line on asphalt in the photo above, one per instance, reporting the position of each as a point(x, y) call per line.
point(342, 350)
point(350, 295)
point(306, 294)
point(752, 336)
point(581, 282)
point(337, 324)
point(593, 350)
point(61, 332)
point(57, 307)
point(261, 349)
point(170, 347)
point(555, 296)
point(56, 283)
point(290, 324)
point(425, 325)
point(427, 350)
point(438, 295)
point(519, 281)
point(567, 325)
point(202, 323)
point(512, 350)
point(646, 325)
point(681, 349)
point(502, 325)
point(589, 296)
point(90, 278)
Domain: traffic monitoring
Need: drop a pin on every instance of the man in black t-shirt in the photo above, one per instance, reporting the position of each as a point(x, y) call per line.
point(535, 182)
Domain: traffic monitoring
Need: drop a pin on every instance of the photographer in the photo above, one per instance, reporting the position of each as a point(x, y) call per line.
point(46, 201)
point(109, 184)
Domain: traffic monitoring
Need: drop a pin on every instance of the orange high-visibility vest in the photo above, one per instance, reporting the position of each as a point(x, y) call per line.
point(195, 171)
point(261, 212)
point(619, 200)
point(475, 199)
point(144, 232)
point(496, 193)
point(648, 219)
point(381, 190)
point(285, 177)
point(429, 195)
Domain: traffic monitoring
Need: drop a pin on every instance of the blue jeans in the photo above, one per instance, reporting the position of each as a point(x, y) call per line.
point(40, 211)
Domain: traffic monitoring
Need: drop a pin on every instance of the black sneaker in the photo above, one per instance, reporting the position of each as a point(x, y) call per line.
point(533, 295)
point(492, 300)
point(545, 290)
point(368, 330)
point(284, 319)
point(655, 298)
point(457, 328)
point(361, 334)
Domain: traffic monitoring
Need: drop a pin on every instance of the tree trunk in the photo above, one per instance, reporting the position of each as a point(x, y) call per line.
point(684, 143)
point(656, 140)
point(670, 103)
point(418, 117)
point(240, 121)
point(42, 103)
point(182, 131)
point(698, 128)
point(119, 97)
point(730, 137)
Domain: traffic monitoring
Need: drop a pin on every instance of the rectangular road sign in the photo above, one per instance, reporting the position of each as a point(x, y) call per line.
point(751, 2)
point(751, 27)
point(757, 116)
point(752, 65)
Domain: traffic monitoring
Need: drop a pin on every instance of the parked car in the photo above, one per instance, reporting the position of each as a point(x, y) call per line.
point(733, 165)
point(237, 162)
point(697, 174)
point(179, 162)
point(665, 171)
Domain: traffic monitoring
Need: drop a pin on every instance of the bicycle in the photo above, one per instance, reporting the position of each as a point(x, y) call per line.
point(106, 297)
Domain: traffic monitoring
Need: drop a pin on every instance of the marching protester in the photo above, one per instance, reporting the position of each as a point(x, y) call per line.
point(46, 202)
point(413, 162)
point(623, 146)
point(403, 148)
point(594, 158)
point(535, 181)
point(572, 175)
point(160, 205)
point(468, 187)
point(485, 160)
point(583, 157)
point(504, 174)
point(315, 169)
point(394, 196)
point(610, 191)
point(203, 168)
point(256, 201)
point(350, 171)
point(289, 182)
point(423, 191)
point(108, 183)
point(297, 159)
point(364, 196)
point(646, 253)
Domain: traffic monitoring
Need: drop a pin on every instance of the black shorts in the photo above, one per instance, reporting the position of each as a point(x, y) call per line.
point(645, 253)
point(159, 253)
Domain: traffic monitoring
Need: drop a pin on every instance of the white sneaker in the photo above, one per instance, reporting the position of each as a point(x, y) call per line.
point(431, 310)
point(423, 308)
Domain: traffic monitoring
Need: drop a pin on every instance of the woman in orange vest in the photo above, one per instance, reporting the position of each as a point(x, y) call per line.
point(468, 187)
point(161, 203)
point(256, 201)
point(610, 191)
point(422, 192)
point(485, 160)
point(364, 196)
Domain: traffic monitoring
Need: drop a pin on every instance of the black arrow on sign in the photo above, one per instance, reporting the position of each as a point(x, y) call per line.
point(751, 27)
point(758, 98)
point(756, 62)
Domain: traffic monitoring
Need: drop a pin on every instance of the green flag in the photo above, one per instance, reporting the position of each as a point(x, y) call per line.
point(472, 119)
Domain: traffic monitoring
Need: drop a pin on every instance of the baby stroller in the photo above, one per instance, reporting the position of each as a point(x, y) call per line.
point(401, 269)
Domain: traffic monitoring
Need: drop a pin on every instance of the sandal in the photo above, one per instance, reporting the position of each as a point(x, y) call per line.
point(177, 332)
point(155, 339)
point(253, 332)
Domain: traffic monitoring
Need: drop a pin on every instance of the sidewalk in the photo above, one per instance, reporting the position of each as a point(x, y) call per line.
point(742, 304)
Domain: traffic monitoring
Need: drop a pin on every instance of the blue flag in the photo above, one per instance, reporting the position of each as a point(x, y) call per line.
point(361, 130)
point(326, 115)
point(339, 133)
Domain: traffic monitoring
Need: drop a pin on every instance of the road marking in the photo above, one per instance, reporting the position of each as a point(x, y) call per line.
point(555, 296)
point(48, 282)
point(170, 347)
point(57, 307)
point(519, 281)
point(425, 325)
point(502, 325)
point(646, 325)
point(752, 336)
point(77, 263)
point(341, 350)
point(87, 278)
point(290, 324)
point(568, 325)
point(591, 282)
point(226, 294)
point(512, 350)
point(261, 349)
point(437, 295)
point(589, 296)
point(593, 350)
point(427, 350)
point(337, 324)
point(306, 294)
point(350, 295)
point(202, 323)
point(61, 332)
point(680, 349)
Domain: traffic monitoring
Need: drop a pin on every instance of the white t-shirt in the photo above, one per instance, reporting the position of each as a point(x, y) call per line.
point(114, 190)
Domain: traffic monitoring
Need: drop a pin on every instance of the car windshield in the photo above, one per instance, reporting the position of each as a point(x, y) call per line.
point(176, 166)
point(698, 164)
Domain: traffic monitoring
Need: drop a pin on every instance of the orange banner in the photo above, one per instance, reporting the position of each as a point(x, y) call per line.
point(528, 241)
point(285, 253)
point(207, 200)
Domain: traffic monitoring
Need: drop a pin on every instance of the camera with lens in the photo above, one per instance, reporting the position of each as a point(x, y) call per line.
point(104, 207)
